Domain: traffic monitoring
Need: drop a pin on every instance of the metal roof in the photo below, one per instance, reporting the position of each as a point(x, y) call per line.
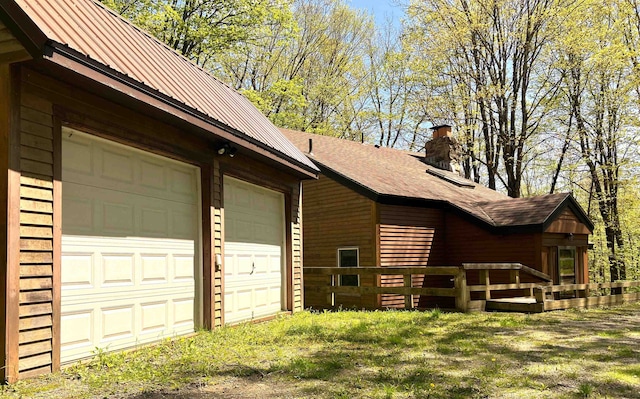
point(100, 35)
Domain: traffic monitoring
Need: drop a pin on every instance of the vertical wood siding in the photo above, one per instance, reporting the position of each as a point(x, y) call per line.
point(336, 217)
point(469, 243)
point(409, 236)
point(36, 235)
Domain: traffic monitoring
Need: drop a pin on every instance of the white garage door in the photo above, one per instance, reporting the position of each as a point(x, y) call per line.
point(129, 239)
point(253, 261)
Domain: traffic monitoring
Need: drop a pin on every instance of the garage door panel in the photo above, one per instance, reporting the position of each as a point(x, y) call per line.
point(78, 330)
point(126, 170)
point(98, 211)
point(79, 214)
point(117, 217)
point(128, 247)
point(77, 271)
point(182, 313)
point(153, 175)
point(154, 269)
point(117, 323)
point(117, 270)
point(254, 239)
point(154, 316)
point(116, 165)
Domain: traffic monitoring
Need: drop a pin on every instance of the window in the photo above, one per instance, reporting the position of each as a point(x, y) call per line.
point(348, 257)
point(566, 265)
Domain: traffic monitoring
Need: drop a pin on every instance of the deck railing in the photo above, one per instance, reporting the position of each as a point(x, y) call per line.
point(587, 295)
point(407, 290)
point(541, 295)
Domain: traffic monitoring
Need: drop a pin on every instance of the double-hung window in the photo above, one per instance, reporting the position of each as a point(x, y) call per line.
point(348, 257)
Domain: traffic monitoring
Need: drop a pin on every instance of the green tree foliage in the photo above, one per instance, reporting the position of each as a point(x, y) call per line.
point(305, 71)
point(199, 29)
point(489, 57)
point(599, 91)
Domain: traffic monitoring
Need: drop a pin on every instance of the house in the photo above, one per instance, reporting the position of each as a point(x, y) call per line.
point(142, 197)
point(384, 207)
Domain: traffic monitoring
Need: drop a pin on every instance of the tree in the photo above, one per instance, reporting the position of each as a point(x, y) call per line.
point(490, 53)
point(307, 74)
point(395, 112)
point(599, 92)
point(199, 29)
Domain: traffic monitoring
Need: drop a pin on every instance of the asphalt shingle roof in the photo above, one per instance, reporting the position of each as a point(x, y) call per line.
point(392, 172)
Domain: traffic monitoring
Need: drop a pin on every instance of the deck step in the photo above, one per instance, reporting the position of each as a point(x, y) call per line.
point(518, 304)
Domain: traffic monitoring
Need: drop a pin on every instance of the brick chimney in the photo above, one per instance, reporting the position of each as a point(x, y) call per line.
point(443, 151)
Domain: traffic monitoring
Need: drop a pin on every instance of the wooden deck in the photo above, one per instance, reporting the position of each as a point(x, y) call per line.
point(513, 296)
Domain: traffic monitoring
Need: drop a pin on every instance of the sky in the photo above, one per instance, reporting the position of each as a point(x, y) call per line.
point(381, 9)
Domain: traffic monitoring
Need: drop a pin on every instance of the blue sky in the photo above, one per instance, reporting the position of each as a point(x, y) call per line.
point(381, 9)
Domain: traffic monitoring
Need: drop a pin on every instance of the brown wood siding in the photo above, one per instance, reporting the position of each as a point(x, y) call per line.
point(46, 104)
point(336, 217)
point(567, 222)
point(218, 215)
point(10, 254)
point(36, 235)
point(296, 238)
point(549, 254)
point(409, 236)
point(469, 243)
point(10, 48)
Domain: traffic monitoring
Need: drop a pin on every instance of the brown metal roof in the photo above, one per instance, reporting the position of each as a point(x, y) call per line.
point(403, 175)
point(100, 35)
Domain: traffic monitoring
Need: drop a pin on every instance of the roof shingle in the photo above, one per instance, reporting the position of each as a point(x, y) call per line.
point(386, 171)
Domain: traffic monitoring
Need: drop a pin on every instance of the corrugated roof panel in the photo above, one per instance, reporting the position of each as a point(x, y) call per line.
point(98, 33)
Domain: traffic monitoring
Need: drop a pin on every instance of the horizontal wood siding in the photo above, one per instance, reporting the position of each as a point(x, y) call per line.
point(218, 215)
point(296, 247)
point(44, 101)
point(11, 50)
point(409, 236)
point(336, 217)
point(36, 337)
point(567, 222)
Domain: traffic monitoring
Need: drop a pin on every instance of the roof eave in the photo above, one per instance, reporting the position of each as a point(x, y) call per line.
point(23, 28)
point(78, 63)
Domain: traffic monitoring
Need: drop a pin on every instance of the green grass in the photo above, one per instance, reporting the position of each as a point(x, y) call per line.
point(394, 354)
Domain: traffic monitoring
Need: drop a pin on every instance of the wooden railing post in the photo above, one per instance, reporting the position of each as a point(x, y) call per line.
point(332, 293)
point(540, 293)
point(408, 299)
point(462, 293)
point(484, 279)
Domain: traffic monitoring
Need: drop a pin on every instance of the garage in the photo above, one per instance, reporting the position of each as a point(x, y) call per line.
point(254, 242)
point(129, 246)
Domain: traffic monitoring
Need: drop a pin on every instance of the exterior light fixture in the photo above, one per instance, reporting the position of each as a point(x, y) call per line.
point(224, 149)
point(227, 148)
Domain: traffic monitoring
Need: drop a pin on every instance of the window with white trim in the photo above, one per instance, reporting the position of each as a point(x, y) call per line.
point(349, 257)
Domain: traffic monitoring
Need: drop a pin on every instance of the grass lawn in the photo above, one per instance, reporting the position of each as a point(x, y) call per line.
point(395, 354)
